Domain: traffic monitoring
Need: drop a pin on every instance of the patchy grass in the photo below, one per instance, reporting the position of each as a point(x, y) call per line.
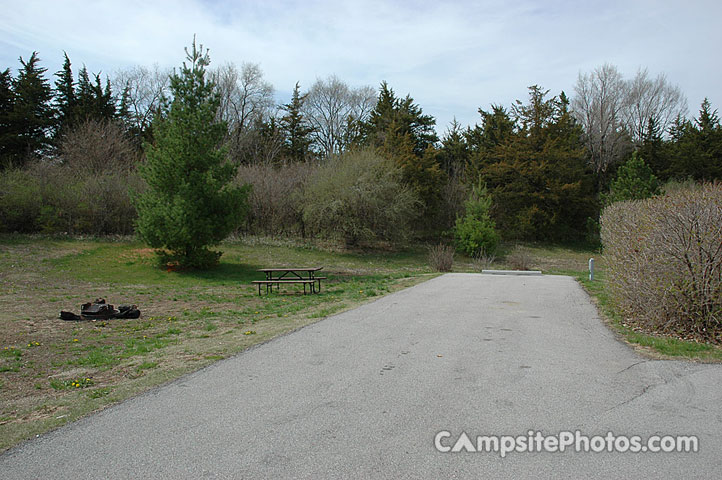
point(53, 371)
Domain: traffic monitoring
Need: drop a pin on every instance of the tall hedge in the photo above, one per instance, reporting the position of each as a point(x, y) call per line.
point(664, 257)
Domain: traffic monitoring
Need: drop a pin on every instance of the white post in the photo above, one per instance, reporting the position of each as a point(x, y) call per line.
point(591, 269)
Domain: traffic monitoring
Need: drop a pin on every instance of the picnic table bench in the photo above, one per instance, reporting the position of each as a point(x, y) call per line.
point(290, 275)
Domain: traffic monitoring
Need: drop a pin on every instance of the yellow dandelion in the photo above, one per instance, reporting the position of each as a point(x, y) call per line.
point(75, 339)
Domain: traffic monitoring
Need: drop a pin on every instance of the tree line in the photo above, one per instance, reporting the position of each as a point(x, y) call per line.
point(545, 163)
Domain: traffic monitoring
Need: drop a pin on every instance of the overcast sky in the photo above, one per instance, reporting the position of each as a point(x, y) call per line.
point(451, 57)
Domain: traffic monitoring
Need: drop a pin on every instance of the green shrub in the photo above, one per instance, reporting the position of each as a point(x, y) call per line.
point(20, 201)
point(475, 232)
point(635, 181)
point(664, 261)
point(358, 197)
point(54, 198)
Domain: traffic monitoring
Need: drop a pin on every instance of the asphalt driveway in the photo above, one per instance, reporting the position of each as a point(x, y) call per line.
point(364, 394)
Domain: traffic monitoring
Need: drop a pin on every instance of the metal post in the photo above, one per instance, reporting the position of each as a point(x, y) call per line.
point(591, 269)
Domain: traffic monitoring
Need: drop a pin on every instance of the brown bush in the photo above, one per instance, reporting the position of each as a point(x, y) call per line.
point(483, 260)
point(664, 258)
point(441, 257)
point(520, 259)
point(275, 206)
point(98, 146)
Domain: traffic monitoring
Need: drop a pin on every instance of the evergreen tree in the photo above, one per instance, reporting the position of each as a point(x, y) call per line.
point(31, 118)
point(65, 103)
point(105, 102)
point(402, 133)
point(84, 98)
point(297, 146)
point(190, 203)
point(635, 181)
point(92, 101)
point(537, 175)
point(709, 143)
point(654, 149)
point(381, 116)
point(455, 153)
point(124, 110)
point(496, 128)
point(268, 147)
point(400, 116)
point(696, 147)
point(475, 233)
point(7, 103)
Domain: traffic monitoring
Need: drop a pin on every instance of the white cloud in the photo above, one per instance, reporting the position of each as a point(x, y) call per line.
point(452, 57)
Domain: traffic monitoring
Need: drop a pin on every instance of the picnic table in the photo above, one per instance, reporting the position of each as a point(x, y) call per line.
point(290, 275)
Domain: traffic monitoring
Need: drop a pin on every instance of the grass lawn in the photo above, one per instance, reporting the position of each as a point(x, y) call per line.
point(53, 371)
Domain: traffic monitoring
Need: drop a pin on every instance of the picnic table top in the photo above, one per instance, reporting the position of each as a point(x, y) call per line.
point(291, 269)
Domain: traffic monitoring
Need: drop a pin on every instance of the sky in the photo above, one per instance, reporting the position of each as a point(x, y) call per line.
point(452, 57)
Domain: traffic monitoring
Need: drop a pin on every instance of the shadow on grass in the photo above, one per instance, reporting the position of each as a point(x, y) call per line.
point(225, 272)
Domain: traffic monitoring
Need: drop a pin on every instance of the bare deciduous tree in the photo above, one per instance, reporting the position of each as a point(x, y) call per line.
point(599, 106)
point(652, 98)
point(245, 96)
point(145, 89)
point(336, 111)
point(615, 112)
point(246, 102)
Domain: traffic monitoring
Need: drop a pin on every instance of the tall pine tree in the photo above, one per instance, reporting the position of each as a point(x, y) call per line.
point(653, 149)
point(696, 147)
point(7, 103)
point(190, 203)
point(31, 118)
point(297, 145)
point(65, 103)
point(92, 101)
point(455, 153)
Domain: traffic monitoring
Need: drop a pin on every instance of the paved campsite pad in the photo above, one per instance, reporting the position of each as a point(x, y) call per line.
point(362, 394)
